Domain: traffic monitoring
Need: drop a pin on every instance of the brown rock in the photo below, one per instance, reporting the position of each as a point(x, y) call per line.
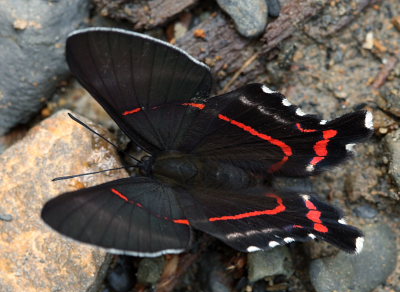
point(33, 257)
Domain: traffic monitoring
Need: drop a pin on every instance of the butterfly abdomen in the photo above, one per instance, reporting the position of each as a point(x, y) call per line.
point(182, 169)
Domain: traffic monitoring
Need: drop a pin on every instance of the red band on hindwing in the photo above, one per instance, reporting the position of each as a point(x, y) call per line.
point(298, 125)
point(198, 105)
point(278, 209)
point(125, 198)
point(314, 215)
point(320, 147)
point(286, 149)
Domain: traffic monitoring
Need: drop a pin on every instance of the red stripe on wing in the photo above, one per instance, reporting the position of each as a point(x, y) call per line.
point(198, 105)
point(125, 198)
point(320, 147)
point(286, 149)
point(298, 125)
point(278, 209)
point(181, 221)
point(138, 109)
point(314, 215)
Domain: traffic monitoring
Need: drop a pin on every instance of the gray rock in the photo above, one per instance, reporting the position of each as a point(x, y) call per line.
point(213, 275)
point(250, 17)
point(365, 211)
point(393, 144)
point(32, 39)
point(274, 8)
point(358, 273)
point(150, 269)
point(276, 261)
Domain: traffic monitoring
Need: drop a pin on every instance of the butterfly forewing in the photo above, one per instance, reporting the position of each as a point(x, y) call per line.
point(131, 75)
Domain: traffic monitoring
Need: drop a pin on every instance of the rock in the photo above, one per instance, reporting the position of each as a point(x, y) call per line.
point(150, 269)
point(276, 261)
point(120, 278)
point(34, 257)
point(250, 17)
point(32, 60)
point(213, 275)
point(393, 144)
point(274, 8)
point(365, 211)
point(358, 273)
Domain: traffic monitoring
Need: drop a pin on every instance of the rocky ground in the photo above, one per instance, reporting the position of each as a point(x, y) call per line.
point(329, 57)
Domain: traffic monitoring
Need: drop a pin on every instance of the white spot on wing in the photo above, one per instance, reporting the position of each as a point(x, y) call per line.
point(288, 239)
point(305, 197)
point(369, 121)
point(359, 244)
point(285, 102)
point(323, 122)
point(310, 168)
point(246, 101)
point(267, 90)
point(300, 113)
point(312, 236)
point(253, 248)
point(342, 221)
point(273, 243)
point(349, 147)
point(234, 235)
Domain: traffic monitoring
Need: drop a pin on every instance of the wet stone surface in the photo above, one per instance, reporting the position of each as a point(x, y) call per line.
point(276, 261)
point(30, 250)
point(32, 42)
point(358, 273)
point(393, 145)
point(250, 17)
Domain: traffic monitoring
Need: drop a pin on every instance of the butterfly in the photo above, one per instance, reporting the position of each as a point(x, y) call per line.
point(208, 157)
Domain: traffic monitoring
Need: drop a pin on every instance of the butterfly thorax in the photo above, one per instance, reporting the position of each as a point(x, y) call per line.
point(183, 169)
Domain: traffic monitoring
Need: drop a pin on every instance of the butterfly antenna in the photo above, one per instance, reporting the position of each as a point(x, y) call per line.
point(95, 172)
point(101, 136)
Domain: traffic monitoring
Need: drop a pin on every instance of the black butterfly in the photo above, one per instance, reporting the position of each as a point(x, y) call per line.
point(209, 156)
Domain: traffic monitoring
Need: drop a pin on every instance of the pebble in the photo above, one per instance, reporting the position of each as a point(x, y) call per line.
point(276, 261)
point(274, 8)
point(214, 276)
point(6, 217)
point(32, 38)
point(250, 17)
point(365, 211)
point(392, 141)
point(33, 257)
point(120, 277)
point(150, 270)
point(358, 273)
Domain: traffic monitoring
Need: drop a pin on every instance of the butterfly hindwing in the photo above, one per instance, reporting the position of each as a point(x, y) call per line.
point(260, 218)
point(135, 216)
point(131, 75)
point(256, 128)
